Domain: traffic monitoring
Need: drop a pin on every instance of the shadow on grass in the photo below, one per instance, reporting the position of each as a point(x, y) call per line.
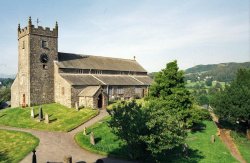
point(53, 120)
point(98, 139)
point(173, 156)
point(177, 156)
point(4, 157)
point(198, 128)
point(2, 115)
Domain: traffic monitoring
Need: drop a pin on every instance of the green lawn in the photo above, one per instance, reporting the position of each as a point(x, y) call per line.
point(15, 145)
point(61, 117)
point(201, 149)
point(243, 145)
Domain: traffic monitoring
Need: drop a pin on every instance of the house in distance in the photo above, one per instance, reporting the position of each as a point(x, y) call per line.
point(47, 76)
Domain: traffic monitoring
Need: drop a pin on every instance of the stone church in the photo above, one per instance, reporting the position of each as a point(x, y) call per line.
point(47, 76)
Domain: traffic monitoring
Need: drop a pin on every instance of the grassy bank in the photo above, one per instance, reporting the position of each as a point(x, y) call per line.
point(61, 117)
point(14, 145)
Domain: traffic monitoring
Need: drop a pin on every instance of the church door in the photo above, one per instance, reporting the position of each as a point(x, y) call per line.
point(100, 101)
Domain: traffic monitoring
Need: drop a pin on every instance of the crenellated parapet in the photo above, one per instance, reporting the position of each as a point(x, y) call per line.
point(40, 31)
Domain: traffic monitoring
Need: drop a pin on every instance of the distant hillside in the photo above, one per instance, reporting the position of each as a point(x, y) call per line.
point(7, 76)
point(223, 72)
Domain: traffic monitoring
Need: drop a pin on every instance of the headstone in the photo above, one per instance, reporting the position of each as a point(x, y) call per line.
point(185, 150)
point(40, 114)
point(92, 138)
point(46, 118)
point(32, 114)
point(212, 139)
point(67, 159)
point(77, 107)
point(218, 133)
point(84, 131)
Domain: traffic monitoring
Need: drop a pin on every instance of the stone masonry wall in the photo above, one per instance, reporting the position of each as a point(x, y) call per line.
point(42, 74)
point(62, 89)
point(74, 94)
point(15, 94)
point(128, 92)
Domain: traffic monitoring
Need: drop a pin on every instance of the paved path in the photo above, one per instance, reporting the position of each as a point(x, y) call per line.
point(54, 146)
point(228, 140)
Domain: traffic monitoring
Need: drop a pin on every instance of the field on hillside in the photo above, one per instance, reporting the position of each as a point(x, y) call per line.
point(61, 117)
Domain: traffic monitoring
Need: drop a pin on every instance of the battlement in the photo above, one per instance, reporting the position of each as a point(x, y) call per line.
point(41, 31)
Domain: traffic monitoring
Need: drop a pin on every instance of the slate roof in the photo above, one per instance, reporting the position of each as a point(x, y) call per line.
point(94, 79)
point(79, 79)
point(146, 80)
point(89, 91)
point(77, 61)
point(118, 80)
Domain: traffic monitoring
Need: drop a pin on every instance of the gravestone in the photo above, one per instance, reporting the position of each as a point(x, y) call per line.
point(32, 114)
point(185, 150)
point(67, 159)
point(92, 138)
point(46, 118)
point(84, 131)
point(40, 114)
point(76, 105)
point(218, 132)
point(212, 139)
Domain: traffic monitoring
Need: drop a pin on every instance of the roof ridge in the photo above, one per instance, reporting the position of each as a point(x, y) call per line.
point(85, 55)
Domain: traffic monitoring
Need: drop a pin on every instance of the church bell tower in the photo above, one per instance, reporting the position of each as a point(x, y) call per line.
point(37, 51)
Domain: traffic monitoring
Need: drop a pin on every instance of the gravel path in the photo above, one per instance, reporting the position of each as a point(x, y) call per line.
point(54, 146)
point(228, 140)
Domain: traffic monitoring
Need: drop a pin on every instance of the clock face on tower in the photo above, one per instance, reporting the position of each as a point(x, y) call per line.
point(44, 58)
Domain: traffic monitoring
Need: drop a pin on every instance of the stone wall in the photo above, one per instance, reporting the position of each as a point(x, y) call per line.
point(86, 102)
point(42, 74)
point(128, 92)
point(74, 94)
point(62, 89)
point(35, 80)
point(93, 101)
point(20, 91)
point(15, 94)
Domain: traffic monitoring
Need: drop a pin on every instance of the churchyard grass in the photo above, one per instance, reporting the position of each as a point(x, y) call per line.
point(201, 148)
point(243, 144)
point(15, 145)
point(61, 118)
point(106, 142)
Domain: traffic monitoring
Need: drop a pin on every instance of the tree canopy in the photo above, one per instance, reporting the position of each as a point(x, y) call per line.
point(160, 125)
point(233, 104)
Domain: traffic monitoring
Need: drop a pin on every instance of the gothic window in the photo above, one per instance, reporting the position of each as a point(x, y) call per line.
point(44, 44)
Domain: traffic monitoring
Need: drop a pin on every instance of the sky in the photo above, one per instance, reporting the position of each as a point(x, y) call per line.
point(154, 31)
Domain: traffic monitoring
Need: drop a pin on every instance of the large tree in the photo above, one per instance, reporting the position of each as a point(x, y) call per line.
point(128, 123)
point(169, 86)
point(160, 125)
point(233, 103)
